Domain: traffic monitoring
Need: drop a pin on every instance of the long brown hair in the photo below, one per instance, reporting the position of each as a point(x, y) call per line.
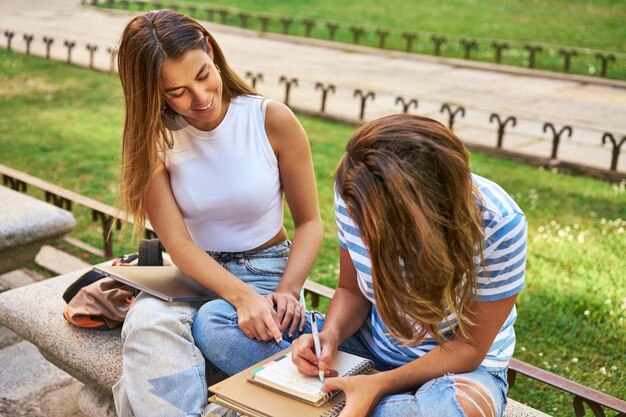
point(146, 42)
point(407, 185)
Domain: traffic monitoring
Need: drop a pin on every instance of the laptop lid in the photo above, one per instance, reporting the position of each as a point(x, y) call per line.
point(165, 282)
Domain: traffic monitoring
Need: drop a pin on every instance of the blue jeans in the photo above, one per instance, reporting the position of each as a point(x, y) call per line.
point(163, 370)
point(232, 352)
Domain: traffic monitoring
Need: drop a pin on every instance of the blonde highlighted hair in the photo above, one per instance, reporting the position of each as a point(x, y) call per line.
point(407, 185)
point(147, 41)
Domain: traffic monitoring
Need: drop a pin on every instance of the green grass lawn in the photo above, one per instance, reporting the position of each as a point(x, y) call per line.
point(63, 124)
point(597, 24)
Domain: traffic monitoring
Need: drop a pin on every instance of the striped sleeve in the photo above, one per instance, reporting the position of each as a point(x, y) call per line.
point(339, 208)
point(502, 273)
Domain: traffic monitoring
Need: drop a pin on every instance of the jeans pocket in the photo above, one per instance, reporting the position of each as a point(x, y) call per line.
point(266, 266)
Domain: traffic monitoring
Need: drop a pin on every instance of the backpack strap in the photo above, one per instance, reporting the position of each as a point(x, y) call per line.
point(150, 253)
point(86, 279)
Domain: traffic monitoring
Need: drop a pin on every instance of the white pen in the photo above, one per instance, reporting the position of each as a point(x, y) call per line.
point(316, 340)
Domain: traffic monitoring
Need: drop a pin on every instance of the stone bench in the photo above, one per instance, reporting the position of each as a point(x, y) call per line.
point(93, 357)
point(26, 224)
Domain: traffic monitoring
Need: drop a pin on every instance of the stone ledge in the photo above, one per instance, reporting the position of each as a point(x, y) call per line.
point(35, 312)
point(25, 225)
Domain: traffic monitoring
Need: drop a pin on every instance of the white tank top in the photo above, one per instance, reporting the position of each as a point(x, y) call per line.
point(226, 181)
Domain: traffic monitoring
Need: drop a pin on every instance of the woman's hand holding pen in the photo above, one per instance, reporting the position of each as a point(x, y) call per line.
point(303, 354)
point(362, 394)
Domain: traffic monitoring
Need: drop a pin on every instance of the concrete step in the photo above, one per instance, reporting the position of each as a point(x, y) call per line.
point(57, 261)
point(18, 278)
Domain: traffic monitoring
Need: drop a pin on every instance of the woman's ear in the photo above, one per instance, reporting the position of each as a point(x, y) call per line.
point(210, 46)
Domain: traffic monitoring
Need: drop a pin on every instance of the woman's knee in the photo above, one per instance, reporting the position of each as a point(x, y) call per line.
point(473, 398)
point(152, 316)
point(216, 317)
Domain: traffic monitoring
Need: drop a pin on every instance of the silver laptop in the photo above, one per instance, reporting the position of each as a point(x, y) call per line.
point(165, 282)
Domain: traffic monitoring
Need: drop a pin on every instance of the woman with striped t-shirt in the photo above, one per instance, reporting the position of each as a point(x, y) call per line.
point(432, 258)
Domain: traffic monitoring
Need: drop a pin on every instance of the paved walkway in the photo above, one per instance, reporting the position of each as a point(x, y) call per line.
point(590, 108)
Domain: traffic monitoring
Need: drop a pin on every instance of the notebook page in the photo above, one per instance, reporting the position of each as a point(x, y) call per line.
point(284, 373)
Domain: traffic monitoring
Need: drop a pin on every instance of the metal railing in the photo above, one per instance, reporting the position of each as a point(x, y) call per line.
point(555, 131)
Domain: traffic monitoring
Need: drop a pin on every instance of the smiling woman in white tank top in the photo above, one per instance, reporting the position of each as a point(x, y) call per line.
point(208, 162)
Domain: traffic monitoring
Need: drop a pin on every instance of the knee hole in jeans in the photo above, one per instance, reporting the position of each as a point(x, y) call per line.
point(473, 398)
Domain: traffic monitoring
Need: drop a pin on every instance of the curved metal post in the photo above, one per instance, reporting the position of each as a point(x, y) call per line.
point(452, 113)
point(332, 30)
point(363, 96)
point(223, 16)
point(308, 27)
point(254, 77)
point(605, 60)
point(406, 104)
point(498, 48)
point(210, 14)
point(286, 22)
point(382, 35)
point(28, 39)
point(107, 227)
point(69, 45)
point(567, 55)
point(243, 19)
point(438, 41)
point(357, 31)
point(533, 50)
point(265, 21)
point(556, 136)
point(92, 49)
point(9, 35)
point(579, 408)
point(48, 41)
point(325, 90)
point(14, 183)
point(288, 83)
point(58, 201)
point(616, 148)
point(409, 37)
point(502, 126)
point(468, 45)
point(112, 55)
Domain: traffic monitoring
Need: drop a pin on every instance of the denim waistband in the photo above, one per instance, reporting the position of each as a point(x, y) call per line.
point(278, 250)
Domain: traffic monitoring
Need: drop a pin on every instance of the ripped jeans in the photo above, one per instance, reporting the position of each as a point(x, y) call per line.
point(233, 351)
point(163, 370)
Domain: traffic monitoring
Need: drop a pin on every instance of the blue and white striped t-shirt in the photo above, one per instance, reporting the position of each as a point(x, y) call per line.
point(504, 254)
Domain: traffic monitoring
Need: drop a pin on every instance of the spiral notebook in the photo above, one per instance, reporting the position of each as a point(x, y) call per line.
point(282, 375)
point(275, 388)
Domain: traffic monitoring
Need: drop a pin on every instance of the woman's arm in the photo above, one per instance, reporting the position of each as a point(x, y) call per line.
point(456, 356)
point(347, 311)
point(291, 146)
point(256, 318)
